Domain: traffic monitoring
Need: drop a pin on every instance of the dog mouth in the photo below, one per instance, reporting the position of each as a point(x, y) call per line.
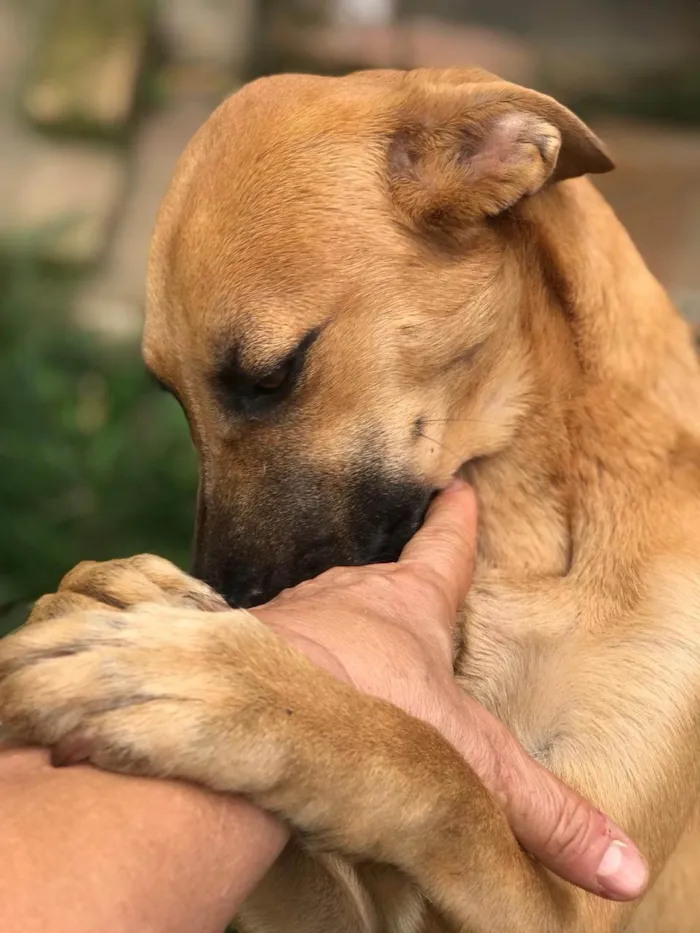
point(389, 541)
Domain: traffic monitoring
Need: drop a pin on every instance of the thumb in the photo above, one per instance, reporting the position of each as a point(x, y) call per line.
point(444, 547)
point(570, 836)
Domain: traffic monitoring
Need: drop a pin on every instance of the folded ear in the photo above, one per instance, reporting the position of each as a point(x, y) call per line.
point(459, 153)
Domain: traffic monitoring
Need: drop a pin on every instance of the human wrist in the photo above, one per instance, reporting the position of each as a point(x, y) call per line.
point(123, 852)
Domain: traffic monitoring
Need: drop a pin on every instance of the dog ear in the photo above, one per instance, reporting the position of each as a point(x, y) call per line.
point(459, 153)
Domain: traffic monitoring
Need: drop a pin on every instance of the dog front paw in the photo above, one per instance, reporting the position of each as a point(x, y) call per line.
point(121, 584)
point(155, 691)
point(218, 699)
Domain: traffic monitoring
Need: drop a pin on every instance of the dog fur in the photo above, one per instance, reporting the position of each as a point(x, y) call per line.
point(470, 303)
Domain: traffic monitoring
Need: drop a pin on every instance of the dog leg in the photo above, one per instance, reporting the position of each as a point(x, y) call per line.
point(323, 891)
point(310, 892)
point(218, 699)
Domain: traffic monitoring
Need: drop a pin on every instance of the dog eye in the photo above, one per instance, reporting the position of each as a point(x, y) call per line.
point(254, 395)
point(277, 378)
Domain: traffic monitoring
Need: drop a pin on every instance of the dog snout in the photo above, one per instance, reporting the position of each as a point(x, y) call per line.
point(249, 555)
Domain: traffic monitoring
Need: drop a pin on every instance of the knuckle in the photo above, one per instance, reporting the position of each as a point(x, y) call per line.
point(333, 575)
point(387, 592)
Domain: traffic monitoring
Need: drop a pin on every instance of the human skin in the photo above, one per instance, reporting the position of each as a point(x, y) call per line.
point(83, 850)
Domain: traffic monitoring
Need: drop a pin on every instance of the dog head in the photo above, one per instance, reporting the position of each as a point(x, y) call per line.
point(333, 288)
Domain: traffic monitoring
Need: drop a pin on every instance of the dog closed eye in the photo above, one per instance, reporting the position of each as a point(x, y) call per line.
point(254, 393)
point(276, 379)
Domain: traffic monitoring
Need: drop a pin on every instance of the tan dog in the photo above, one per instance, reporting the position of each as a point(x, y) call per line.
point(358, 287)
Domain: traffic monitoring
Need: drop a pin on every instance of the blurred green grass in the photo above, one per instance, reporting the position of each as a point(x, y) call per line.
point(95, 461)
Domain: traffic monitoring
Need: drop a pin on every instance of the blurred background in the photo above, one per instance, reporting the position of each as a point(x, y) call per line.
point(97, 100)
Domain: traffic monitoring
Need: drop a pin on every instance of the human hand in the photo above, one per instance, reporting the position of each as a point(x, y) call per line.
point(388, 630)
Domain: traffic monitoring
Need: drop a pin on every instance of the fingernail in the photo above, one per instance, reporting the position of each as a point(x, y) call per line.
point(622, 872)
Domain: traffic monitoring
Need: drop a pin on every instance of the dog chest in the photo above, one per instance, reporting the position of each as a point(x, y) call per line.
point(520, 648)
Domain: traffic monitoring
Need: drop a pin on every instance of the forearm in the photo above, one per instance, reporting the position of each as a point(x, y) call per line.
point(83, 850)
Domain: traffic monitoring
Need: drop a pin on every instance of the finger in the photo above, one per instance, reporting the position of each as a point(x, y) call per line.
point(570, 836)
point(445, 544)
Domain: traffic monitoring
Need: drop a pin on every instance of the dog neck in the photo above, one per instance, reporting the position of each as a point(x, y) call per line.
point(601, 352)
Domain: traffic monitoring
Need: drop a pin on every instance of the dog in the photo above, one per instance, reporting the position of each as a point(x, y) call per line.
point(358, 288)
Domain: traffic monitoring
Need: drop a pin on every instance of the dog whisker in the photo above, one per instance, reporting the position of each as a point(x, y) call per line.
point(434, 440)
point(457, 421)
